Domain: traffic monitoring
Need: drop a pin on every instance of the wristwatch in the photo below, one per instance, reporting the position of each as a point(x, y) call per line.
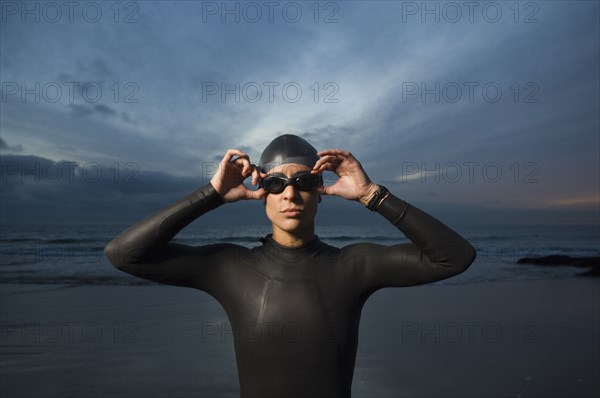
point(377, 198)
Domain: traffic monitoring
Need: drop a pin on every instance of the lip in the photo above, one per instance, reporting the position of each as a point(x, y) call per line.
point(292, 212)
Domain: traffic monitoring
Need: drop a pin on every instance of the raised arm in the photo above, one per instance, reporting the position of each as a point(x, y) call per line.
point(144, 250)
point(436, 252)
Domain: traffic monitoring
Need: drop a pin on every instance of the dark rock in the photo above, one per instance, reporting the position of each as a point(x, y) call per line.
point(594, 271)
point(561, 260)
point(592, 262)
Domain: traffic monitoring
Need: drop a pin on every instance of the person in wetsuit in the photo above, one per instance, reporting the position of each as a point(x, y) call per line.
point(294, 302)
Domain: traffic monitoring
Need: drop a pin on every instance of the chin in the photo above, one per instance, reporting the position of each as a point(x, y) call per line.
point(293, 225)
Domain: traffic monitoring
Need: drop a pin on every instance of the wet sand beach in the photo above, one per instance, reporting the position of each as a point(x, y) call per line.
point(494, 339)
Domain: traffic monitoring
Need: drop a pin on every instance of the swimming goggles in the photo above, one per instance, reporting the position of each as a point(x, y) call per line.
point(302, 181)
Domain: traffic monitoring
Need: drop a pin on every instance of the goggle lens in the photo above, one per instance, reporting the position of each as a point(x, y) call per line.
point(277, 184)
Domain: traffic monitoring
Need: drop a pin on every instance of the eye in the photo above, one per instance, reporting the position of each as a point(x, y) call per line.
point(305, 181)
point(273, 184)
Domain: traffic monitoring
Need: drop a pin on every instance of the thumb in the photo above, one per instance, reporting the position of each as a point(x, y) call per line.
point(324, 190)
point(258, 194)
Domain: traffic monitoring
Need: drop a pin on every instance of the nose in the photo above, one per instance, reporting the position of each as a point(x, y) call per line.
point(290, 192)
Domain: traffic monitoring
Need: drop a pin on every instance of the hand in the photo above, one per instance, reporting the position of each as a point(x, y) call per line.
point(228, 181)
point(353, 182)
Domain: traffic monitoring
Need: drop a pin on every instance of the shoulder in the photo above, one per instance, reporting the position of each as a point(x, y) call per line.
point(206, 249)
point(326, 248)
point(358, 249)
point(217, 253)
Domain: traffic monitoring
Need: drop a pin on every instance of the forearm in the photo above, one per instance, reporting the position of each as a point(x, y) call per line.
point(149, 235)
point(439, 243)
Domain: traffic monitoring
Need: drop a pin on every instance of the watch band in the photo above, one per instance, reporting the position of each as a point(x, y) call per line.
point(376, 199)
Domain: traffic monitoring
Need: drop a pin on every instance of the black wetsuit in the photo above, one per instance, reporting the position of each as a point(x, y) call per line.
point(295, 311)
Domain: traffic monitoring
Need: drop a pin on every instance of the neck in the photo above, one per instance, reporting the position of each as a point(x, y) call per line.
point(295, 238)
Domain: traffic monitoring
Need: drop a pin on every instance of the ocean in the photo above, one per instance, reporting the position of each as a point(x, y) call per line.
point(73, 254)
point(536, 336)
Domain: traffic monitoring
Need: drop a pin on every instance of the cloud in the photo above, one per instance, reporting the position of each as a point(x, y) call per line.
point(5, 147)
point(104, 110)
point(80, 110)
point(101, 110)
point(125, 116)
point(592, 202)
point(371, 55)
point(40, 190)
point(99, 68)
point(67, 148)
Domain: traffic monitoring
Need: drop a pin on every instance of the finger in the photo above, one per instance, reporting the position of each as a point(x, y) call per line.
point(255, 175)
point(333, 164)
point(244, 157)
point(247, 169)
point(323, 190)
point(341, 152)
point(244, 163)
point(322, 160)
point(327, 166)
point(261, 175)
point(231, 153)
point(258, 194)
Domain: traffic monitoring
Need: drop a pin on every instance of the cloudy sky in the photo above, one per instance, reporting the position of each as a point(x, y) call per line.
point(479, 113)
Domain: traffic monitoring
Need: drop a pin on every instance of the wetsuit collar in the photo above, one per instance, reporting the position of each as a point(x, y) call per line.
point(313, 244)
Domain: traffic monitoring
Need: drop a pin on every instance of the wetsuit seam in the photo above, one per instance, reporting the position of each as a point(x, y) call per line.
point(291, 280)
point(267, 277)
point(418, 272)
point(263, 305)
point(256, 271)
point(402, 213)
point(328, 317)
point(261, 313)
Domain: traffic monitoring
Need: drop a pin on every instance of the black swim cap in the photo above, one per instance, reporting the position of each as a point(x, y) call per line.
point(288, 148)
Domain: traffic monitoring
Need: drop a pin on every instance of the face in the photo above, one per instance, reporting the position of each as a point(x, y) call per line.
point(292, 210)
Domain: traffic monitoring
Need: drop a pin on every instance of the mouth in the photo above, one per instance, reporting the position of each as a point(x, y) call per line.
point(292, 212)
